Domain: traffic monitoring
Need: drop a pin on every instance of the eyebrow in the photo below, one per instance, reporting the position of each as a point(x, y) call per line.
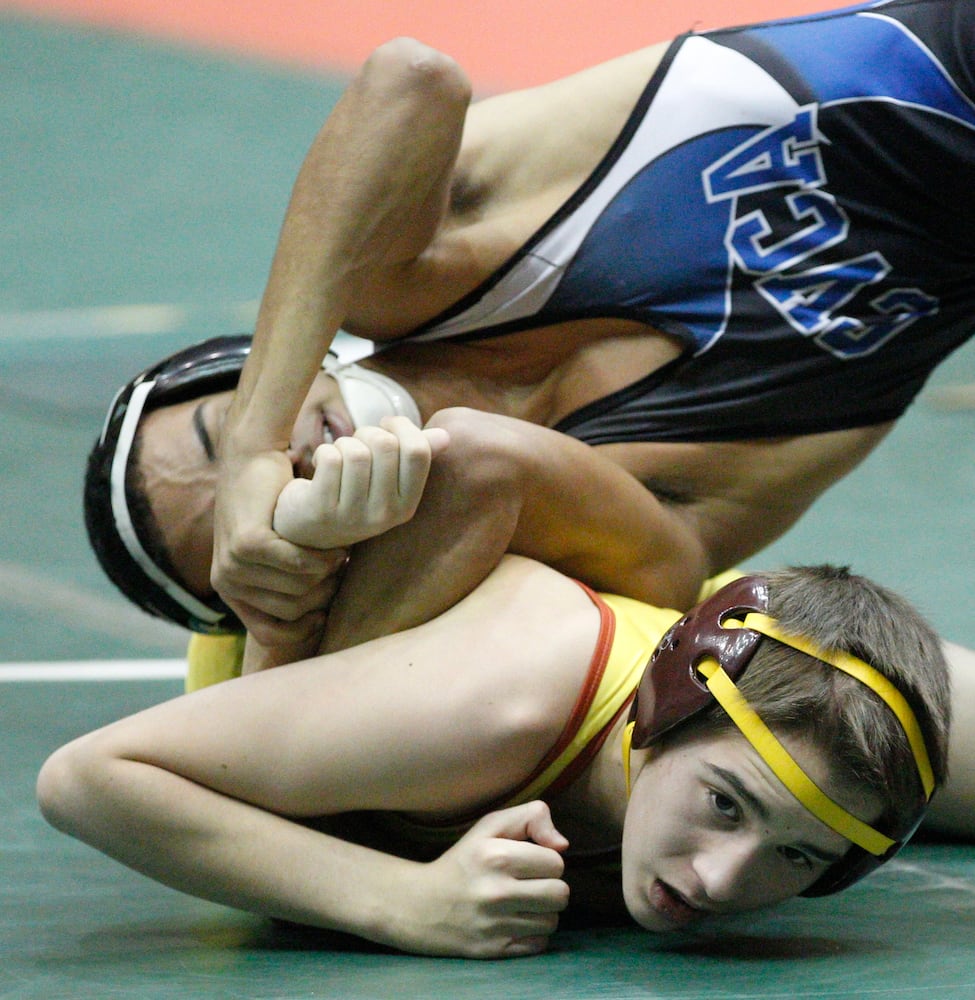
point(202, 433)
point(739, 788)
point(762, 810)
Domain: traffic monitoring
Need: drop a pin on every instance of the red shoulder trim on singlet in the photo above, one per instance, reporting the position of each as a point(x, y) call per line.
point(594, 677)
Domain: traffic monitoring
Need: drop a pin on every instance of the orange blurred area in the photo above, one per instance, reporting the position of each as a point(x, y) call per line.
point(502, 44)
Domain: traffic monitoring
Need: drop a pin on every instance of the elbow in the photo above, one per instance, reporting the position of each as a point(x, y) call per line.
point(54, 785)
point(486, 453)
point(63, 787)
point(410, 68)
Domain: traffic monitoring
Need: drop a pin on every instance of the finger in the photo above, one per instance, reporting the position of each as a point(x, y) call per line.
point(522, 859)
point(304, 504)
point(519, 926)
point(357, 462)
point(328, 461)
point(542, 829)
point(438, 439)
point(287, 608)
point(525, 946)
point(542, 898)
point(385, 448)
point(415, 458)
point(277, 584)
point(526, 933)
point(528, 821)
point(271, 553)
point(258, 657)
point(275, 634)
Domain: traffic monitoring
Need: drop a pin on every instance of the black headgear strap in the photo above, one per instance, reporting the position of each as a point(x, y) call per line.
point(211, 366)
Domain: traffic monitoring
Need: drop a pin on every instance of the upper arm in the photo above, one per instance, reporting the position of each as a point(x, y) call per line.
point(443, 717)
point(579, 511)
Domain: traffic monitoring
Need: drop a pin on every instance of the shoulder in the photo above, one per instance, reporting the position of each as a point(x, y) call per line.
point(524, 142)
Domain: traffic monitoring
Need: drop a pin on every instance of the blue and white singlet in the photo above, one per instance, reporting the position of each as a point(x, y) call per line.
point(794, 201)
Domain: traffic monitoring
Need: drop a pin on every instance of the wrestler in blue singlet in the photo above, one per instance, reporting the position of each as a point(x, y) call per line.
point(794, 202)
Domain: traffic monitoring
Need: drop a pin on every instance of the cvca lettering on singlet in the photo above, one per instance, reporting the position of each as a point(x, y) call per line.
point(787, 159)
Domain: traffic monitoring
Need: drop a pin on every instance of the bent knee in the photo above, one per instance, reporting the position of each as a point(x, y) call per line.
point(62, 786)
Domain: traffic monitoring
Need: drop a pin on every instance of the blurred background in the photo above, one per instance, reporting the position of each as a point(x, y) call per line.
point(148, 153)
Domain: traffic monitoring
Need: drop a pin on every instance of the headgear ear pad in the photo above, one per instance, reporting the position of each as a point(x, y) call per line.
point(210, 366)
point(672, 691)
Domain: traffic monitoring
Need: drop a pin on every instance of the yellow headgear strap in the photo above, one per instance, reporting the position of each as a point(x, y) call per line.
point(775, 755)
point(627, 747)
point(866, 674)
point(784, 767)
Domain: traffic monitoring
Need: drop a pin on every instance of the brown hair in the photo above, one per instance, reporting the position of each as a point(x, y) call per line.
point(796, 694)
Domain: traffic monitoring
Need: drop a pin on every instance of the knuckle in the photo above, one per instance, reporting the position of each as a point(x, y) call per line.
point(352, 448)
point(327, 454)
point(493, 894)
point(249, 546)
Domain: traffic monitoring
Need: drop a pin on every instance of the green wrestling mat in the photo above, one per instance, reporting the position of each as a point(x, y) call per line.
point(76, 925)
point(143, 189)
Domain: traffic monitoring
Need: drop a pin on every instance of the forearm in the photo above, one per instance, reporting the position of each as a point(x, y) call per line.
point(224, 850)
point(583, 514)
point(368, 199)
point(497, 893)
point(507, 486)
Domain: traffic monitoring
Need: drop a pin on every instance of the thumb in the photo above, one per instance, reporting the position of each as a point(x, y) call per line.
point(437, 438)
point(528, 821)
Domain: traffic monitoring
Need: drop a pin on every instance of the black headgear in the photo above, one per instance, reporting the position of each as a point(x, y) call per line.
point(674, 689)
point(211, 366)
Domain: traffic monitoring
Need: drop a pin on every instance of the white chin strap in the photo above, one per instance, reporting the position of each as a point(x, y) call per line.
point(369, 396)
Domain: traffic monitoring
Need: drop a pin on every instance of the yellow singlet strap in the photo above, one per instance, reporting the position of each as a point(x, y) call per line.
point(784, 767)
point(627, 745)
point(864, 673)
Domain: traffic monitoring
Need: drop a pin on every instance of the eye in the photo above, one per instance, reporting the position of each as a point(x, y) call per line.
point(724, 805)
point(797, 858)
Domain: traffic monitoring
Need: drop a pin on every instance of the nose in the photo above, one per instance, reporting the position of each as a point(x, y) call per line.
point(725, 868)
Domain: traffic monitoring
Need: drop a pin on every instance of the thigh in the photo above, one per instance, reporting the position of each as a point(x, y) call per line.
point(953, 808)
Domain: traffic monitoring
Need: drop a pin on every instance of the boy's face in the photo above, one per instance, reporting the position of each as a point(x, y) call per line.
point(179, 448)
point(710, 830)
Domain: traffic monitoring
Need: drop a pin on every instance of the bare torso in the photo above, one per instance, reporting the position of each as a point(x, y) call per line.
point(738, 496)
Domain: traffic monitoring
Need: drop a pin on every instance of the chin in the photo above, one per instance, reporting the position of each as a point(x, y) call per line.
point(639, 908)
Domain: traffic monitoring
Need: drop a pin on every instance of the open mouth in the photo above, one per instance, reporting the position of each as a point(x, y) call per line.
point(334, 426)
point(668, 903)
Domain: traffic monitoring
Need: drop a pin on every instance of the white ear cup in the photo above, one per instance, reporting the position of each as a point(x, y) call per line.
point(370, 396)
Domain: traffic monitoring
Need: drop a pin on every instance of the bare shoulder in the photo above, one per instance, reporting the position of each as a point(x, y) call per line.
point(555, 133)
point(522, 155)
point(441, 718)
point(738, 496)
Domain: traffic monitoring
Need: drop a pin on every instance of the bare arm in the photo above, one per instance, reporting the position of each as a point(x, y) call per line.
point(507, 485)
point(366, 203)
point(496, 894)
point(205, 792)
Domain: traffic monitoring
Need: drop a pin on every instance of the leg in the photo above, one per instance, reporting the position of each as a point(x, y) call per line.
point(953, 809)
